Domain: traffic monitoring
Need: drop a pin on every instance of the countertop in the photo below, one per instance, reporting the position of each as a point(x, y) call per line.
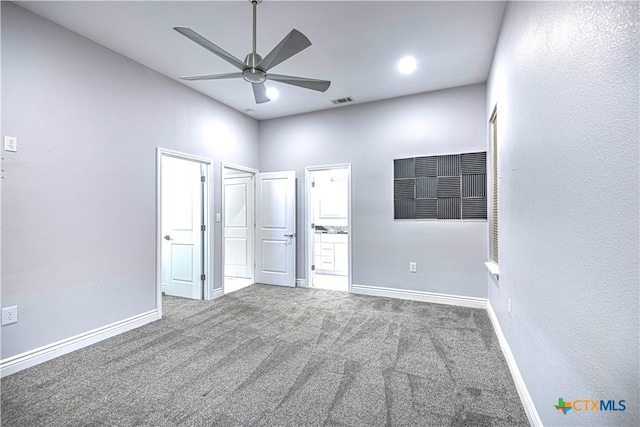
point(332, 229)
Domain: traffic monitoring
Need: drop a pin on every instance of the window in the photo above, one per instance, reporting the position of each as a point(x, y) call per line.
point(494, 161)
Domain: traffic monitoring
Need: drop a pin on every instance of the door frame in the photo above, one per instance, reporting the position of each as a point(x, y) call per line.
point(206, 202)
point(253, 172)
point(307, 217)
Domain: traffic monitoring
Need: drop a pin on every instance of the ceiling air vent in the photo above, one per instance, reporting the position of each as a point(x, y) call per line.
point(342, 100)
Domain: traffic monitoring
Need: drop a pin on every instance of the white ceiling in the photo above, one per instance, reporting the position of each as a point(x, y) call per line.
point(356, 44)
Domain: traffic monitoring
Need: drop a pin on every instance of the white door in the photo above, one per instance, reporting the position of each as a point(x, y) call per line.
point(276, 228)
point(182, 218)
point(238, 227)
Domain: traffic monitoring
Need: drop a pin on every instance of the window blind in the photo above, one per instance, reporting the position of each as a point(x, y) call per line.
point(494, 156)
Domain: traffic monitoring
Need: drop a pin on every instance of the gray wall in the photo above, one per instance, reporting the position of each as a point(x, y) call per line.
point(1, 167)
point(450, 256)
point(79, 198)
point(565, 78)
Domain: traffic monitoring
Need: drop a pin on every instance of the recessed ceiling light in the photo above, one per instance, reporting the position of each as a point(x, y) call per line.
point(272, 93)
point(407, 65)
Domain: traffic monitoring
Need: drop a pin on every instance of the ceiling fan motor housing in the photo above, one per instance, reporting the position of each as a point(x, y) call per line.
point(251, 73)
point(254, 76)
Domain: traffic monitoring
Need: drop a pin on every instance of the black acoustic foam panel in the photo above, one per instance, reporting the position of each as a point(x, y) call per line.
point(403, 168)
point(452, 186)
point(427, 187)
point(404, 189)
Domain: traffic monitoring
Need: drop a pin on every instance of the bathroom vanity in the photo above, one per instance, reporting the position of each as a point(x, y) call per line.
point(331, 253)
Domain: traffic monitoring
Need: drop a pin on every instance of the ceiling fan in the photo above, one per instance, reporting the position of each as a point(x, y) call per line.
point(254, 68)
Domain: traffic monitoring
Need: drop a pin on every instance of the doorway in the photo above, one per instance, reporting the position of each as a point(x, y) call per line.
point(238, 219)
point(259, 228)
point(328, 225)
point(183, 224)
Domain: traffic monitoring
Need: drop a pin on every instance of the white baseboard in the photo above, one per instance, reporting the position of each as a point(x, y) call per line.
point(39, 355)
point(217, 293)
point(525, 397)
point(378, 291)
point(301, 283)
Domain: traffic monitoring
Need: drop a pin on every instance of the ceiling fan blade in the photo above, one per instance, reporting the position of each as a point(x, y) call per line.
point(293, 43)
point(313, 84)
point(260, 93)
point(213, 76)
point(192, 35)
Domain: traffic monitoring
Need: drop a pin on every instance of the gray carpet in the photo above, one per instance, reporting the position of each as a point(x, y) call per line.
point(272, 356)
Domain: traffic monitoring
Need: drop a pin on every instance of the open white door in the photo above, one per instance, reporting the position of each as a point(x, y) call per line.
point(182, 220)
point(276, 228)
point(238, 227)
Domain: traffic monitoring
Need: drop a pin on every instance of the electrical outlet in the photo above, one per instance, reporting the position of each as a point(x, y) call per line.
point(509, 306)
point(413, 268)
point(9, 315)
point(10, 143)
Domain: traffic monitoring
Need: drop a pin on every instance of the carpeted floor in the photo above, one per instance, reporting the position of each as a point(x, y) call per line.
point(272, 356)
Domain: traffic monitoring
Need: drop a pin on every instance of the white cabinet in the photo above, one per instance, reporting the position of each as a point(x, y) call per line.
point(326, 256)
point(330, 197)
point(341, 258)
point(334, 200)
point(331, 253)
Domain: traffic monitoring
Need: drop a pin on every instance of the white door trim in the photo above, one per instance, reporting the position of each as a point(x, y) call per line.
point(208, 270)
point(253, 172)
point(239, 168)
point(307, 216)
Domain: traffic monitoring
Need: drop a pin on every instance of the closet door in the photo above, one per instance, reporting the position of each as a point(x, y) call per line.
point(276, 228)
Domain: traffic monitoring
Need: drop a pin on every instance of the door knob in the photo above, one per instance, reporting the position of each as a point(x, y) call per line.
point(167, 237)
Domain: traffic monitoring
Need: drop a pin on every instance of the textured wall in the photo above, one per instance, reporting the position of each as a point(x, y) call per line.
point(1, 167)
point(565, 79)
point(79, 198)
point(370, 136)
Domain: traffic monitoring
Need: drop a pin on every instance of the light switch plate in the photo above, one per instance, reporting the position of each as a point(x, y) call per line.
point(10, 143)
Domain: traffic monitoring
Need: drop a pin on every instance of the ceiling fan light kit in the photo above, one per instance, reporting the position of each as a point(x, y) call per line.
point(254, 68)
